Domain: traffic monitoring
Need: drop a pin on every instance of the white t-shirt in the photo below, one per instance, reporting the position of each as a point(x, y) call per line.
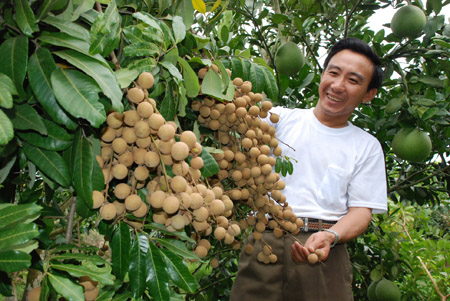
point(334, 168)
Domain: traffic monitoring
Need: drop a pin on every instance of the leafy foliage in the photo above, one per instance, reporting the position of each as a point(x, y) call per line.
point(63, 65)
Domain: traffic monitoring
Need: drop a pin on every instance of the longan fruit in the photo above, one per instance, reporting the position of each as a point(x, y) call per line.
point(266, 105)
point(146, 80)
point(166, 132)
point(91, 295)
point(236, 175)
point(320, 253)
point(197, 150)
point(180, 168)
point(114, 120)
point(202, 72)
point(151, 159)
point(108, 211)
point(200, 214)
point(180, 151)
point(197, 200)
point(234, 230)
point(165, 147)
point(88, 285)
point(247, 143)
point(248, 249)
point(313, 258)
point(145, 109)
point(273, 258)
point(157, 199)
point(160, 217)
point(119, 171)
point(274, 118)
point(189, 138)
point(120, 207)
point(201, 251)
point(142, 129)
point(129, 135)
point(257, 235)
point(219, 233)
point(178, 221)
point(119, 145)
point(130, 117)
point(217, 207)
point(98, 199)
point(214, 263)
point(197, 162)
point(238, 81)
point(218, 191)
point(155, 121)
point(135, 95)
point(141, 211)
point(141, 173)
point(280, 185)
point(133, 202)
point(185, 199)
point(121, 191)
point(139, 155)
point(205, 243)
point(178, 184)
point(229, 239)
point(171, 204)
point(254, 111)
point(260, 226)
point(246, 87)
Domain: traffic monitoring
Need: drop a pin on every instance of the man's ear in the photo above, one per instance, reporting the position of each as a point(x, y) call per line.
point(370, 95)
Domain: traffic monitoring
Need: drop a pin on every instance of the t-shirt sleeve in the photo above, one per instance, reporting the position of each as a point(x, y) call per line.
point(368, 186)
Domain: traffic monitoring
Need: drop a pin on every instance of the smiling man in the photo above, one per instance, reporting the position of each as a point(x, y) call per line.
point(339, 181)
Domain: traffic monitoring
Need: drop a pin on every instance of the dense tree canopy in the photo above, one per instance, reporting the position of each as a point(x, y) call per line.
point(66, 66)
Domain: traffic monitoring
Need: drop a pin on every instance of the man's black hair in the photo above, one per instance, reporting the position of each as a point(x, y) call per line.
point(363, 48)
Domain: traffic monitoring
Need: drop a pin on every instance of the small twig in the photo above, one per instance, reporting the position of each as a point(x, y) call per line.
point(70, 218)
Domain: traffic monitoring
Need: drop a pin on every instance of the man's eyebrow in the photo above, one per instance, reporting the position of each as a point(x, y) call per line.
point(356, 74)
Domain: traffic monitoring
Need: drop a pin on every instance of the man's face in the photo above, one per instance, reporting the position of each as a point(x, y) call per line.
point(343, 87)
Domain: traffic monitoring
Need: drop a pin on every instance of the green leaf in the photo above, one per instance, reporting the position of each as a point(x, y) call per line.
point(120, 248)
point(25, 17)
point(6, 100)
point(179, 273)
point(19, 234)
point(224, 76)
point(15, 213)
point(126, 76)
point(50, 163)
point(212, 85)
point(270, 86)
point(79, 257)
point(149, 20)
point(169, 104)
point(157, 276)
point(13, 61)
point(79, 270)
point(172, 69)
point(141, 49)
point(191, 82)
point(57, 138)
point(179, 29)
point(161, 228)
point(84, 6)
point(6, 129)
point(83, 161)
point(257, 77)
point(40, 68)
point(99, 72)
point(177, 247)
point(13, 261)
point(237, 68)
point(6, 86)
point(210, 166)
point(66, 287)
point(70, 28)
point(7, 166)
point(105, 32)
point(137, 273)
point(432, 81)
point(78, 95)
point(26, 118)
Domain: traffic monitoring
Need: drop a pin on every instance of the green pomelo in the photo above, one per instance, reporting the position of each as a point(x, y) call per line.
point(412, 144)
point(387, 290)
point(408, 21)
point(371, 291)
point(393, 105)
point(289, 59)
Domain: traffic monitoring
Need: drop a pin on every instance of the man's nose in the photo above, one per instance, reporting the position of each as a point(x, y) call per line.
point(338, 84)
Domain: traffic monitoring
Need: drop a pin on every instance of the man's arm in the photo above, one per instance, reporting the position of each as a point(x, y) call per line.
point(351, 225)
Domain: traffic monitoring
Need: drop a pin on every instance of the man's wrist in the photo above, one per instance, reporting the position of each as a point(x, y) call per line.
point(336, 236)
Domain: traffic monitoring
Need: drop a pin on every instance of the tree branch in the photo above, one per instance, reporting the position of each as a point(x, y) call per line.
point(403, 186)
point(70, 218)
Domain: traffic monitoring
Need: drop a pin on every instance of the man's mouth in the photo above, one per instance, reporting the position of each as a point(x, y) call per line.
point(334, 98)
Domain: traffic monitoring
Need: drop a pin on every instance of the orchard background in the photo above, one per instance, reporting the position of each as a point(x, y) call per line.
point(66, 64)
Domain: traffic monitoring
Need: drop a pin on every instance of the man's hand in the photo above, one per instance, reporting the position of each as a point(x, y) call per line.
point(320, 240)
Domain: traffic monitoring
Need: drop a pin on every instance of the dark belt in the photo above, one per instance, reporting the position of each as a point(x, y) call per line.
point(312, 224)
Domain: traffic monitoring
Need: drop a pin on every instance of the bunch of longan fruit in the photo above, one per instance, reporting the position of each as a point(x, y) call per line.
point(249, 148)
point(140, 149)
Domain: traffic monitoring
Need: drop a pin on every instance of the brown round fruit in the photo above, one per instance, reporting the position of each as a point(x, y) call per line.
point(146, 80)
point(108, 211)
point(98, 199)
point(133, 202)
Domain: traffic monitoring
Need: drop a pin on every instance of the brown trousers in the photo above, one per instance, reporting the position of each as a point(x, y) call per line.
point(286, 280)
